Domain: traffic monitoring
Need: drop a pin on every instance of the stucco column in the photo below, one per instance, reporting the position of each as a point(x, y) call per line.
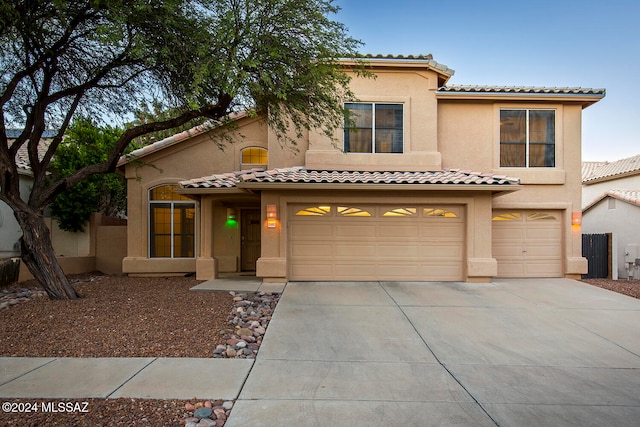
point(206, 266)
point(272, 264)
point(481, 266)
point(576, 265)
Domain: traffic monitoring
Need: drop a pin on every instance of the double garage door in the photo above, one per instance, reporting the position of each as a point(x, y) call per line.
point(376, 242)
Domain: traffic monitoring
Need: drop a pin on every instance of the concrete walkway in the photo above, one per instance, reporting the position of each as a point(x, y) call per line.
point(510, 353)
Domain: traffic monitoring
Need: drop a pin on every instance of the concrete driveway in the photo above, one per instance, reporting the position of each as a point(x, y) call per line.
point(535, 352)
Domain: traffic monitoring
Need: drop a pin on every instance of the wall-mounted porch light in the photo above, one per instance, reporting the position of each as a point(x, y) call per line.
point(576, 218)
point(231, 214)
point(272, 216)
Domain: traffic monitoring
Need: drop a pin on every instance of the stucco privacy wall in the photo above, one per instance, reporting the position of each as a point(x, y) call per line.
point(100, 247)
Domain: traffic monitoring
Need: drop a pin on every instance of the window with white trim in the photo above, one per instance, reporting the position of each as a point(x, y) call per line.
point(373, 128)
point(527, 138)
point(171, 224)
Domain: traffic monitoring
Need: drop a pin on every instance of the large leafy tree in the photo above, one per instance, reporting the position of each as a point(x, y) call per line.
point(60, 59)
point(87, 144)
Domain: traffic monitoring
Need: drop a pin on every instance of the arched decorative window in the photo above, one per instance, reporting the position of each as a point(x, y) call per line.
point(314, 211)
point(439, 212)
point(171, 223)
point(400, 212)
point(509, 216)
point(254, 157)
point(352, 211)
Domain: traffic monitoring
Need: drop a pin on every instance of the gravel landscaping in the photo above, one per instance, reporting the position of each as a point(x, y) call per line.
point(121, 316)
point(623, 286)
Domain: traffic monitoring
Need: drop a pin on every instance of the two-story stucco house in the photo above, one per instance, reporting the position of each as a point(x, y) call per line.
point(428, 182)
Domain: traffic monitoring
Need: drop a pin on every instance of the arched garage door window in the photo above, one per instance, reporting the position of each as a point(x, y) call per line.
point(171, 224)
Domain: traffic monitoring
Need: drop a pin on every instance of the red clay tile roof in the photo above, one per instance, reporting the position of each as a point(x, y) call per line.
point(302, 175)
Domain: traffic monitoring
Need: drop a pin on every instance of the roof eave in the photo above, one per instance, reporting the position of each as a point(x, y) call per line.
point(494, 188)
point(585, 99)
point(371, 62)
point(196, 191)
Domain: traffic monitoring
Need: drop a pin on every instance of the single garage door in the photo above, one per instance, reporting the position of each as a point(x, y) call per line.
point(375, 242)
point(528, 243)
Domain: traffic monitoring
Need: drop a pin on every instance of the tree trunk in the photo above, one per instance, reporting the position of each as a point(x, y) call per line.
point(40, 259)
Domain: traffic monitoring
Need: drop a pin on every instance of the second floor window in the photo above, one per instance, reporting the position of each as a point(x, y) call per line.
point(373, 128)
point(527, 138)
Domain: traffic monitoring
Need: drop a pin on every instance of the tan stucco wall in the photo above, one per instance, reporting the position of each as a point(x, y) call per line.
point(194, 158)
point(469, 139)
point(416, 91)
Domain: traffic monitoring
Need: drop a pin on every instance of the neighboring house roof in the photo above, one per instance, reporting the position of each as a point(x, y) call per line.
point(608, 171)
point(22, 156)
point(629, 196)
point(588, 168)
point(300, 175)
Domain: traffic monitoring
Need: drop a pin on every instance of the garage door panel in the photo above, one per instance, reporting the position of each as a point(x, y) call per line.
point(542, 233)
point(317, 270)
point(354, 230)
point(543, 250)
point(398, 230)
point(410, 247)
point(311, 250)
point(542, 268)
point(397, 251)
point(530, 247)
point(355, 269)
point(508, 250)
point(440, 251)
point(442, 231)
point(509, 268)
point(505, 233)
point(310, 230)
point(348, 250)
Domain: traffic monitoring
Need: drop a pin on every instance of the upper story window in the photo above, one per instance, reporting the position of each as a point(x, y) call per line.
point(373, 128)
point(171, 224)
point(254, 157)
point(527, 138)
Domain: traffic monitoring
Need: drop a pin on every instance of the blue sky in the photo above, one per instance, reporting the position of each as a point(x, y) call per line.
point(585, 43)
